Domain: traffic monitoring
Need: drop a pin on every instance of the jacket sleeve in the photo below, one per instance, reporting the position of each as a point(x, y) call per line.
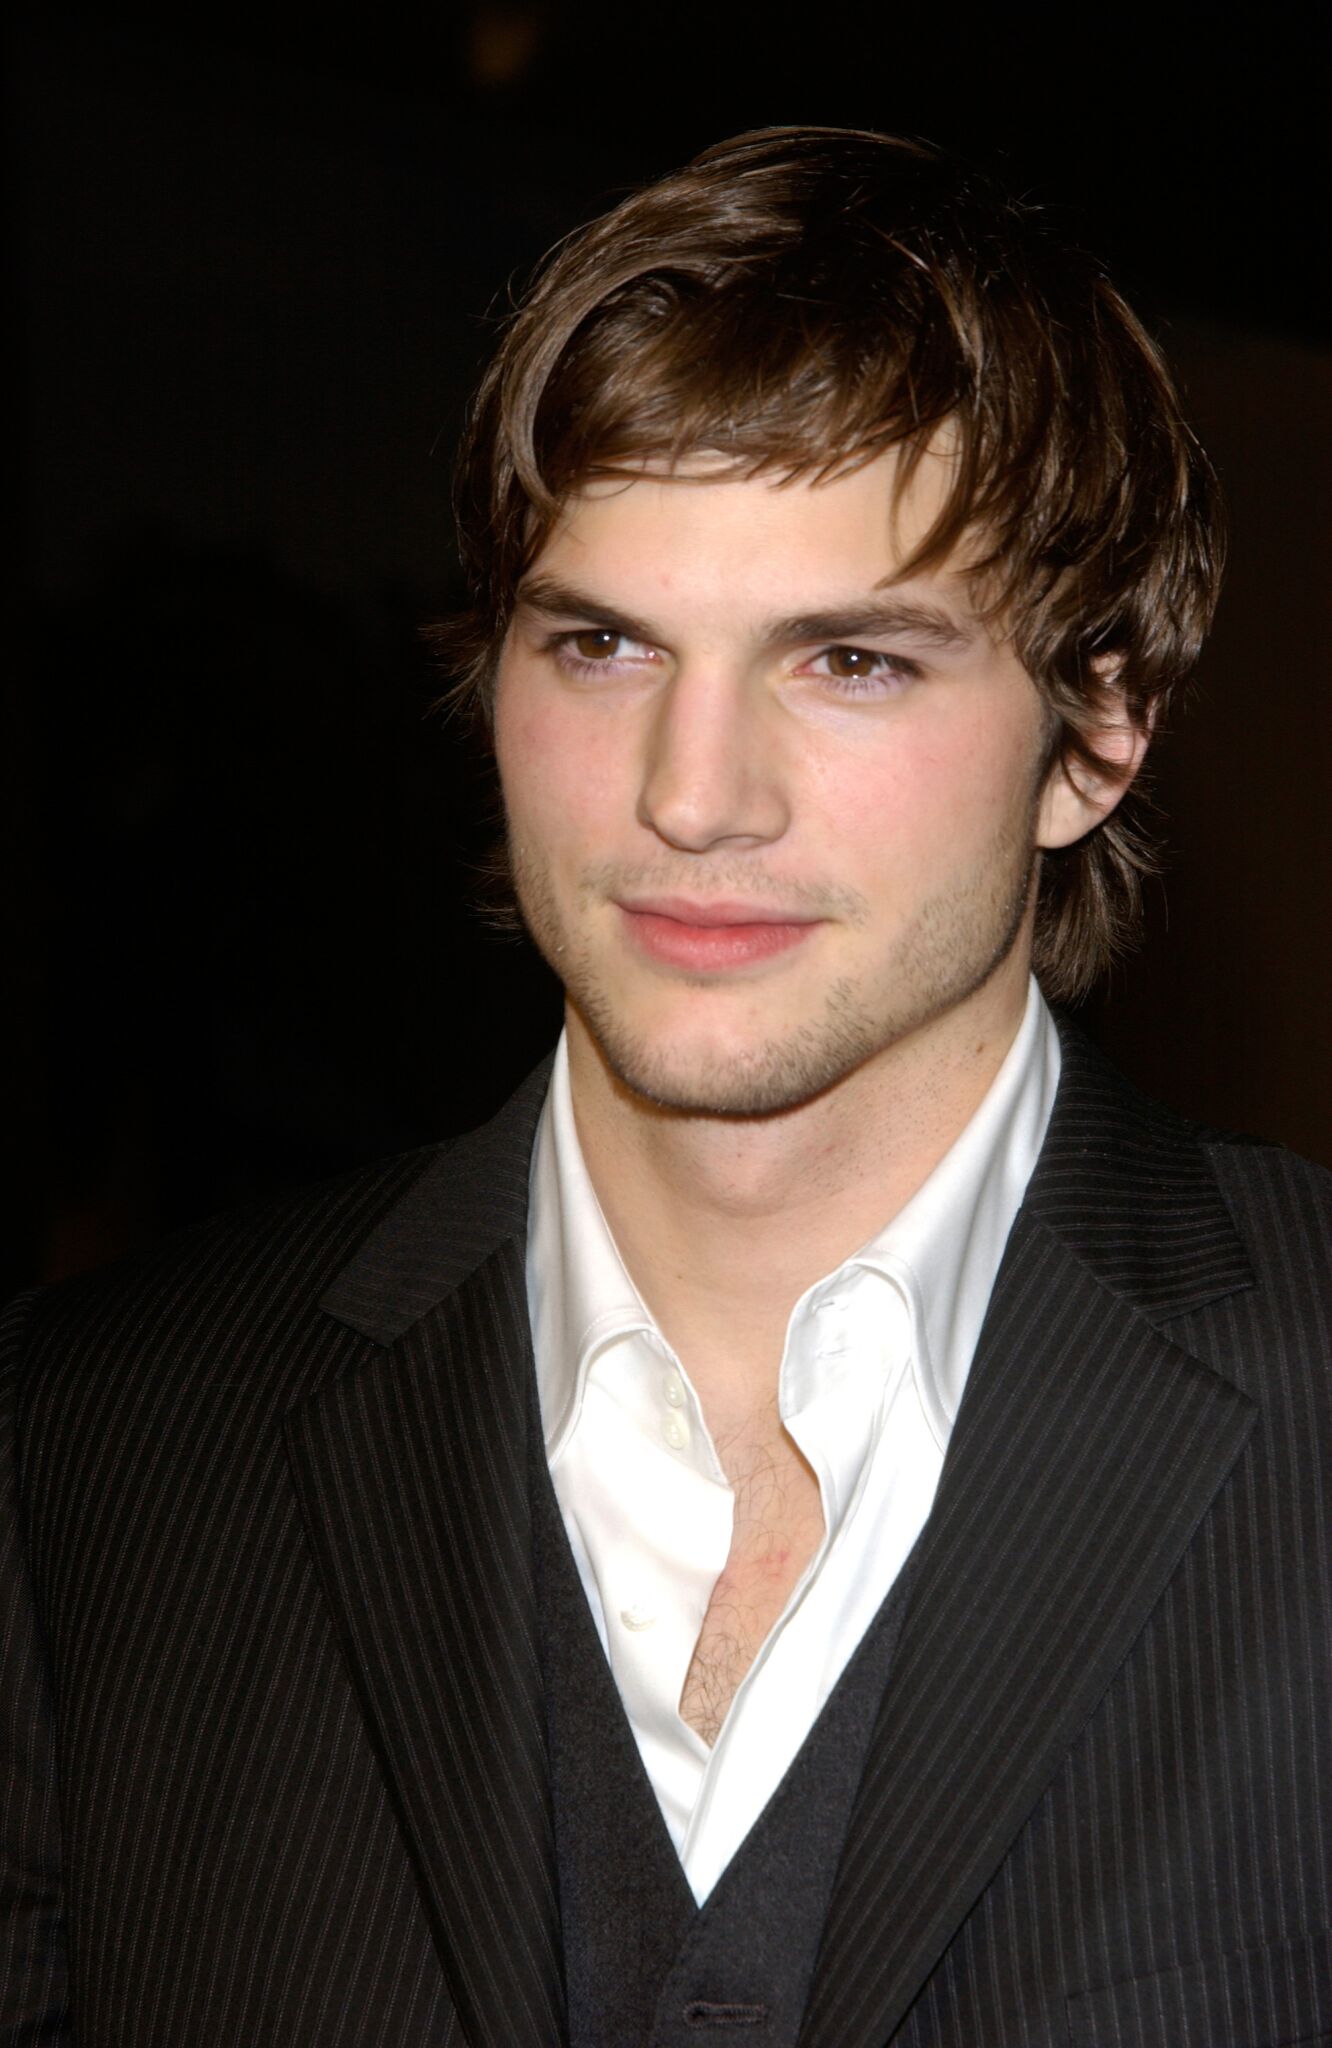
point(33, 1989)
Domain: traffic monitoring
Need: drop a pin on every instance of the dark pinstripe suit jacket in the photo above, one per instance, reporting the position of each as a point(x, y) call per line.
point(273, 1737)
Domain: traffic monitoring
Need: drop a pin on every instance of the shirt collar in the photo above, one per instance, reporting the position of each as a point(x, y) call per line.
point(944, 1247)
point(942, 1250)
point(580, 1296)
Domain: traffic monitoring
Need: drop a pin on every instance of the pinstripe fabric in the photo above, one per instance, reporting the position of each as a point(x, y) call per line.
point(1028, 1600)
point(414, 1480)
point(271, 1708)
point(1103, 1758)
point(235, 1872)
point(32, 1944)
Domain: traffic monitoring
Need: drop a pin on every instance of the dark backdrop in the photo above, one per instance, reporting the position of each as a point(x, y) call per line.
point(255, 262)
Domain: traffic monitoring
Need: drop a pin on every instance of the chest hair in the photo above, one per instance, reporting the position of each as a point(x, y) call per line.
point(777, 1528)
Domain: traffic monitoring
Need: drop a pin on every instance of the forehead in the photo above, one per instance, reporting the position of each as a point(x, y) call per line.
point(703, 537)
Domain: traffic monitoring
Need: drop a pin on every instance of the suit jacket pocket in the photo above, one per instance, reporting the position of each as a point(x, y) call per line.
point(1257, 1998)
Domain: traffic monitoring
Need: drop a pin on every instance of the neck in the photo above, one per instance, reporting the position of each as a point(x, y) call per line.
point(723, 1221)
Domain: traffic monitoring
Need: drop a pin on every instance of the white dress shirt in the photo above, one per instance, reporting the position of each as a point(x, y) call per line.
point(874, 1365)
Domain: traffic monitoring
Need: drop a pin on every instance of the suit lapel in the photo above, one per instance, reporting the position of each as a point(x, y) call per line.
point(1087, 1449)
point(413, 1480)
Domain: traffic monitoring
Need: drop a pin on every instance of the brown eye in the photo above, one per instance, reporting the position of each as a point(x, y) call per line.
point(598, 643)
point(851, 664)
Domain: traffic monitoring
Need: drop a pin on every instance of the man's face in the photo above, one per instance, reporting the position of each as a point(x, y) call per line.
point(770, 811)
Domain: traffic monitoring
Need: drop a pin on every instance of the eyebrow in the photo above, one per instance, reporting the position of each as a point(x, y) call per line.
point(870, 618)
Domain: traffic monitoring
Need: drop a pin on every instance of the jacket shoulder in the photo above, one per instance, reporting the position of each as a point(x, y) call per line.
point(1281, 1203)
point(243, 1309)
point(238, 1288)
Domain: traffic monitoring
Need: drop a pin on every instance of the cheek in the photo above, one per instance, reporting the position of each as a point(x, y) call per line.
point(556, 772)
point(912, 797)
point(517, 749)
point(931, 805)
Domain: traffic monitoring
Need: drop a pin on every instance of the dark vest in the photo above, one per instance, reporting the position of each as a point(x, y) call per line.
point(644, 1966)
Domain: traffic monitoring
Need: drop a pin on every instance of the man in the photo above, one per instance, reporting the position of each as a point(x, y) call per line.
point(812, 1522)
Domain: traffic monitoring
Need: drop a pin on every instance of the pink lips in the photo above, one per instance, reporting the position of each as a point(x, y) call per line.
point(710, 936)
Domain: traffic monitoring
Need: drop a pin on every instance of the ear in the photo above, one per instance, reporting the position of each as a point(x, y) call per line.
point(1076, 798)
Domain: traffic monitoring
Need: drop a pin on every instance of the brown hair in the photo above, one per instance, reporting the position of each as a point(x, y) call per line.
point(800, 299)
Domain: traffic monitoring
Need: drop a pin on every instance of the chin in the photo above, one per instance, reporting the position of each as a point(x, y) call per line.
point(777, 1073)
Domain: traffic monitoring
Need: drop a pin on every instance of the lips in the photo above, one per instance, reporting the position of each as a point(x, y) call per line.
point(712, 937)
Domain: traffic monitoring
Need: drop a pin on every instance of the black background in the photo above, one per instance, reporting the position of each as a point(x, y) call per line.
point(256, 260)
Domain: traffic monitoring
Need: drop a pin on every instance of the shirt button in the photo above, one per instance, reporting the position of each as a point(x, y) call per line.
point(636, 1617)
point(675, 1431)
point(673, 1390)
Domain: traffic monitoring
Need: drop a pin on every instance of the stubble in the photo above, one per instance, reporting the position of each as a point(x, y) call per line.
point(954, 942)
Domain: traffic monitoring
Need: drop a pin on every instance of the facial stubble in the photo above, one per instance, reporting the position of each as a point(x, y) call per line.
point(955, 941)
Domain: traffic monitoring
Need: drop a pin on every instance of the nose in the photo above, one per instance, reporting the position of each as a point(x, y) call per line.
point(712, 770)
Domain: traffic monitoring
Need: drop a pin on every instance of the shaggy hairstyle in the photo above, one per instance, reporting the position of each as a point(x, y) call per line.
point(801, 299)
